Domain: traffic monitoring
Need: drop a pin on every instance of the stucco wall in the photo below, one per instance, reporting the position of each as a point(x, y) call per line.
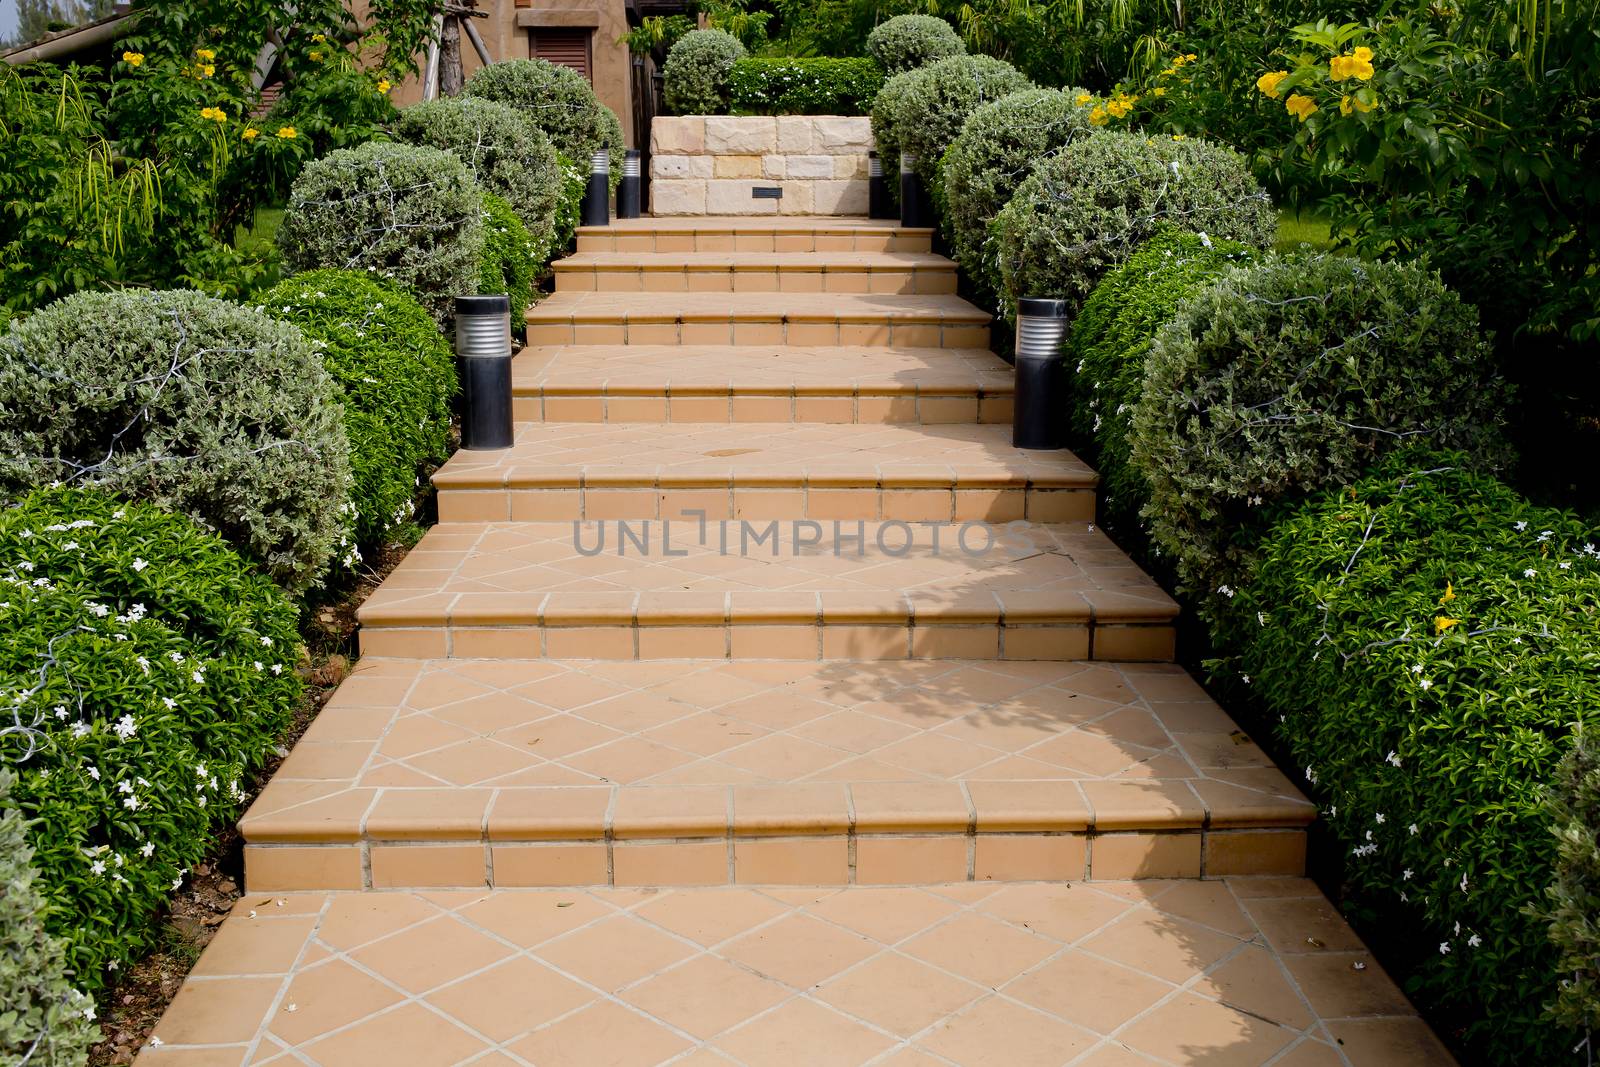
point(708, 165)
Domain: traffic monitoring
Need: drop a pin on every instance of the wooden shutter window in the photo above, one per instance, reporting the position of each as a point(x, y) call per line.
point(563, 46)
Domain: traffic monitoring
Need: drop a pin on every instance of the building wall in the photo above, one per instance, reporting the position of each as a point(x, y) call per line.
point(507, 33)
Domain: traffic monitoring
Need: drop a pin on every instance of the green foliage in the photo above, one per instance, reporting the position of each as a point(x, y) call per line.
point(405, 213)
point(560, 102)
point(1300, 372)
point(1085, 210)
point(936, 100)
point(1108, 347)
point(906, 42)
point(569, 208)
point(696, 74)
point(655, 34)
point(803, 86)
point(396, 375)
point(196, 404)
point(151, 671)
point(1425, 639)
point(45, 1020)
point(886, 108)
point(996, 149)
point(510, 258)
point(1574, 898)
point(507, 153)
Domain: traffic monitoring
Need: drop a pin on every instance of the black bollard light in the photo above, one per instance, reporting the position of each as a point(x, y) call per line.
point(597, 198)
point(878, 205)
point(483, 355)
point(1039, 410)
point(629, 193)
point(913, 201)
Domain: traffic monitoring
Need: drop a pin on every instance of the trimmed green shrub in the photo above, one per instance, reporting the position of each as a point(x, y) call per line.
point(149, 671)
point(1574, 899)
point(695, 76)
point(886, 126)
point(937, 100)
point(396, 375)
point(1084, 211)
point(507, 153)
point(561, 102)
point(409, 214)
point(906, 42)
point(45, 1021)
point(791, 86)
point(569, 208)
point(996, 149)
point(196, 404)
point(510, 258)
point(1425, 639)
point(1108, 346)
point(1282, 378)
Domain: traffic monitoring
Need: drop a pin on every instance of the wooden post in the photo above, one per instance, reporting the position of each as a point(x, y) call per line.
point(451, 77)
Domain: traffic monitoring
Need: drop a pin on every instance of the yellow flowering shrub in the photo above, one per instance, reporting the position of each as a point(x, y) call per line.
point(1321, 78)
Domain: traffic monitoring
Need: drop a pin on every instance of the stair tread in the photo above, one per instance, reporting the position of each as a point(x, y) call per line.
point(753, 223)
point(722, 307)
point(512, 573)
point(635, 369)
point(532, 750)
point(713, 454)
point(719, 261)
point(1103, 973)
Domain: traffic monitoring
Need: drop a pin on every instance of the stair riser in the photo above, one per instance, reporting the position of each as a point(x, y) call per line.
point(575, 502)
point(756, 241)
point(818, 859)
point(714, 639)
point(866, 408)
point(870, 334)
point(929, 282)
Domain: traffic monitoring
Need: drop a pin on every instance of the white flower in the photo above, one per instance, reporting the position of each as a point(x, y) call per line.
point(70, 546)
point(1530, 573)
point(80, 728)
point(125, 727)
point(147, 849)
point(98, 867)
point(1545, 535)
point(1463, 883)
point(125, 788)
point(1413, 829)
point(199, 677)
point(1564, 565)
point(266, 642)
point(1521, 525)
point(1425, 684)
point(1392, 758)
point(1225, 590)
point(1444, 946)
point(176, 657)
point(144, 664)
point(131, 803)
point(1378, 817)
point(172, 705)
point(277, 668)
point(1416, 668)
point(1405, 875)
point(88, 1013)
point(94, 772)
point(177, 883)
point(139, 564)
point(61, 711)
point(1474, 941)
point(1261, 617)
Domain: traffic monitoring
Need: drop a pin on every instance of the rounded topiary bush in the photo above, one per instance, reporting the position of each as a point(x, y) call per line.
point(151, 672)
point(507, 153)
point(1109, 344)
point(1084, 211)
point(1423, 640)
point(410, 214)
point(510, 258)
point(886, 126)
point(906, 42)
point(46, 1021)
point(560, 102)
point(996, 149)
point(695, 77)
point(938, 98)
point(196, 404)
point(396, 375)
point(1278, 379)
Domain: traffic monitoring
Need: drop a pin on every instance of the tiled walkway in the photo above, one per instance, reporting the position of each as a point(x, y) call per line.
point(1108, 974)
point(859, 787)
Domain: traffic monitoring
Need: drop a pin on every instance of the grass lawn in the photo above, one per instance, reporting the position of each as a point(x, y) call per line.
point(258, 236)
point(1303, 228)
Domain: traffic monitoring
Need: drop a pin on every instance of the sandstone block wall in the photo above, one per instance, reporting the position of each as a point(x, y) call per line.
point(708, 165)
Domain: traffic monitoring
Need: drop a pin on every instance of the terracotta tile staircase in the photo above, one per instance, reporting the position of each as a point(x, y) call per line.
point(584, 777)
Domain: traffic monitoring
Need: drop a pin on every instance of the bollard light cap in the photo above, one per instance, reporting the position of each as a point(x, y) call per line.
point(488, 304)
point(1042, 307)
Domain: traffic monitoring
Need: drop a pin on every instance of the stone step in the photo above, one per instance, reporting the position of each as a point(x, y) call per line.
point(756, 272)
point(760, 383)
point(795, 589)
point(786, 470)
point(793, 233)
point(443, 773)
point(1240, 971)
point(793, 319)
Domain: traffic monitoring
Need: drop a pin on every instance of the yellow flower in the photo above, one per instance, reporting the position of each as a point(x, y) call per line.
point(287, 133)
point(133, 59)
point(1449, 593)
point(1097, 117)
point(1118, 108)
point(1190, 57)
point(204, 53)
point(1178, 136)
point(250, 133)
point(318, 37)
point(1082, 99)
point(1159, 91)
point(316, 56)
point(206, 70)
point(1442, 623)
point(1356, 65)
point(384, 85)
point(1301, 107)
point(1362, 55)
point(216, 114)
point(1268, 83)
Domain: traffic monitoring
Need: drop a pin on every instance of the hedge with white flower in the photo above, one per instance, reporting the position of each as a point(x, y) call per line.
point(147, 672)
point(1426, 640)
point(396, 376)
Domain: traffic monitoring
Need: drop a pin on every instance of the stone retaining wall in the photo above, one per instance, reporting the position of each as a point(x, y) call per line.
point(708, 165)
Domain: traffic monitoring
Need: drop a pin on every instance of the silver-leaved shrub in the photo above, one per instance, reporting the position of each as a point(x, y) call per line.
point(695, 77)
point(935, 100)
point(906, 42)
point(561, 102)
